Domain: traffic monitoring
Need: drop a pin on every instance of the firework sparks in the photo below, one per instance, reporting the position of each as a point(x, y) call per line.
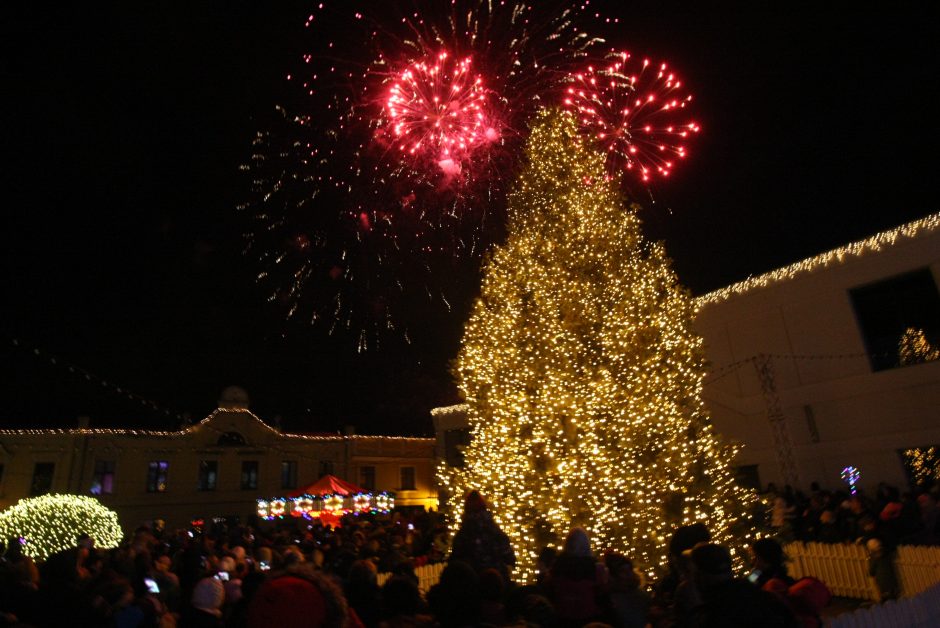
point(636, 111)
point(440, 110)
point(386, 173)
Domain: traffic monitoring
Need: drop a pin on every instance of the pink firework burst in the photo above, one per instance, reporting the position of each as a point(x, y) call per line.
point(437, 110)
point(637, 111)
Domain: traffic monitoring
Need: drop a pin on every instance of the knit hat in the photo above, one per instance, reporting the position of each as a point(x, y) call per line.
point(301, 601)
point(208, 596)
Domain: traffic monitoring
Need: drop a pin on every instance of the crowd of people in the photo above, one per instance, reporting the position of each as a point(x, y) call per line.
point(305, 574)
point(896, 518)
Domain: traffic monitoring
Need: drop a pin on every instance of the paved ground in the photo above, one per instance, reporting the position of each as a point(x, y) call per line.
point(840, 605)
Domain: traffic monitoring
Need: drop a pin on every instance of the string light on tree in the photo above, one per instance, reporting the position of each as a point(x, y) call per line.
point(51, 523)
point(582, 375)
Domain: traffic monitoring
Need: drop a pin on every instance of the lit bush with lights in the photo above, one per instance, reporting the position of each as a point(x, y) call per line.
point(51, 523)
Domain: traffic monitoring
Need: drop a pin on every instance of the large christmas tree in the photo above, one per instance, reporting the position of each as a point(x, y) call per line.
point(583, 376)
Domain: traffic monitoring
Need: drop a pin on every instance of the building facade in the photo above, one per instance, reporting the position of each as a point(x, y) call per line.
point(825, 366)
point(831, 364)
point(218, 467)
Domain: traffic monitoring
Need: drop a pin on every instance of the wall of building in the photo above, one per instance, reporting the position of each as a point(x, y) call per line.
point(838, 410)
point(230, 437)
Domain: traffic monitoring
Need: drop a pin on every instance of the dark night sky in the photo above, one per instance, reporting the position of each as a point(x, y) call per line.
point(124, 128)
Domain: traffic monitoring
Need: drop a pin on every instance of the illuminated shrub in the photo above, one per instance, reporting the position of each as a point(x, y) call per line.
point(50, 523)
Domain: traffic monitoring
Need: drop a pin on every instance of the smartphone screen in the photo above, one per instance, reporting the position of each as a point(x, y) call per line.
point(152, 585)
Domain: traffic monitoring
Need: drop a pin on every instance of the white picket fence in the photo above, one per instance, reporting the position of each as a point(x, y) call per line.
point(844, 568)
point(428, 576)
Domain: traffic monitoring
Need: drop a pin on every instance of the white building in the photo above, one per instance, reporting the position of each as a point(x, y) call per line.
point(826, 364)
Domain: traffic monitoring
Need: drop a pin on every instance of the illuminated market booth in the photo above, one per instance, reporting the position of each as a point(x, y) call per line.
point(327, 499)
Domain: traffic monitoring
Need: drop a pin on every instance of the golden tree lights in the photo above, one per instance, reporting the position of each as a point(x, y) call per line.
point(914, 348)
point(582, 375)
point(50, 523)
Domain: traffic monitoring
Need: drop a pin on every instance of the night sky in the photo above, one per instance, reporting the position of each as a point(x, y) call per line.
point(124, 128)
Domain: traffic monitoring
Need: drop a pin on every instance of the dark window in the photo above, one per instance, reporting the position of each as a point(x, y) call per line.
point(747, 476)
point(899, 319)
point(454, 443)
point(407, 478)
point(208, 475)
point(232, 438)
point(922, 464)
point(288, 474)
point(326, 468)
point(367, 478)
point(42, 478)
point(249, 475)
point(156, 476)
point(102, 481)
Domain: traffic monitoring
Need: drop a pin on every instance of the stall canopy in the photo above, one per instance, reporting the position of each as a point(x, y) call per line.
point(329, 485)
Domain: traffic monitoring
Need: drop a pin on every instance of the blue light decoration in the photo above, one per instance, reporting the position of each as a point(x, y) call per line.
point(850, 475)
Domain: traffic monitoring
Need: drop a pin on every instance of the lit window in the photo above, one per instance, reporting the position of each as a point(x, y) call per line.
point(156, 476)
point(407, 478)
point(102, 481)
point(208, 475)
point(899, 319)
point(367, 478)
point(288, 474)
point(922, 464)
point(249, 475)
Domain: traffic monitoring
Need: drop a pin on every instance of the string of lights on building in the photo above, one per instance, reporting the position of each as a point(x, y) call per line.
point(841, 255)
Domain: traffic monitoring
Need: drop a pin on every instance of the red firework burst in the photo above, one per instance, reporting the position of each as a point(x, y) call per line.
point(636, 111)
point(437, 109)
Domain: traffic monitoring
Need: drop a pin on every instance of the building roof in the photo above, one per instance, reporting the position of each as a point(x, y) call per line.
point(835, 257)
point(86, 431)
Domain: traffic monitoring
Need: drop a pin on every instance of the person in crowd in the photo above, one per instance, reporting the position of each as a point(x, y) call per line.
point(729, 602)
point(769, 563)
point(678, 569)
point(402, 606)
point(783, 515)
point(492, 595)
point(881, 568)
point(363, 593)
point(205, 609)
point(628, 603)
point(577, 581)
point(455, 599)
point(301, 598)
point(479, 542)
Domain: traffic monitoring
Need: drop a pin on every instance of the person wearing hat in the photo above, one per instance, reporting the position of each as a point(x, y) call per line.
point(205, 609)
point(479, 542)
point(300, 598)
